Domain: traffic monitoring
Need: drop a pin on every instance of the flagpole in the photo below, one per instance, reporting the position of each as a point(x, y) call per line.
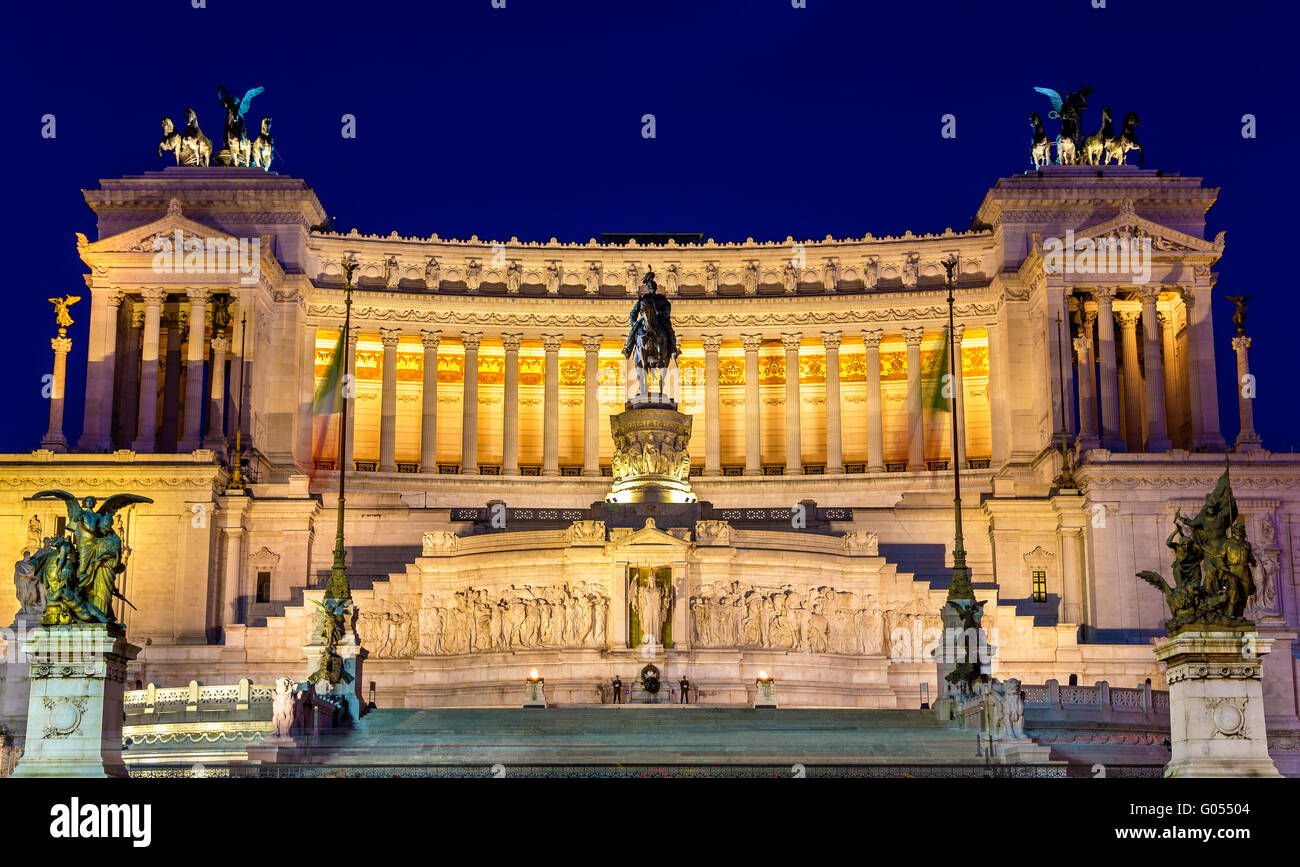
point(337, 589)
point(960, 586)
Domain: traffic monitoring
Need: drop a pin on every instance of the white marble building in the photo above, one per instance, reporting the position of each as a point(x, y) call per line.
point(485, 372)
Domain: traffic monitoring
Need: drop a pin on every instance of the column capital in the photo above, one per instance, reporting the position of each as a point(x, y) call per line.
point(114, 297)
point(1103, 294)
point(871, 339)
point(389, 337)
point(220, 344)
point(430, 339)
point(958, 333)
point(912, 336)
point(1149, 294)
point(1127, 318)
point(154, 295)
point(551, 342)
point(1082, 345)
point(752, 342)
point(591, 343)
point(62, 345)
point(712, 342)
point(510, 342)
point(198, 294)
point(791, 341)
point(832, 339)
point(1164, 320)
point(1240, 343)
point(137, 318)
point(353, 334)
point(471, 339)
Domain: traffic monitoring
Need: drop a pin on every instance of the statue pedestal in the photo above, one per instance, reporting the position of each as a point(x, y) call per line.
point(534, 693)
point(765, 693)
point(650, 462)
point(74, 715)
point(1216, 704)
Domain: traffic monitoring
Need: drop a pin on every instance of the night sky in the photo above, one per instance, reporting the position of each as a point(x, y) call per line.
point(770, 121)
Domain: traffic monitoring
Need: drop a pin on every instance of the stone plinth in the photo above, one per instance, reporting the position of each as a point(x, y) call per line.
point(534, 693)
point(74, 714)
point(1216, 704)
point(765, 693)
point(650, 462)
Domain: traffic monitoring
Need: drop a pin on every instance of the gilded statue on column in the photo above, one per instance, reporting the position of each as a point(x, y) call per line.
point(62, 318)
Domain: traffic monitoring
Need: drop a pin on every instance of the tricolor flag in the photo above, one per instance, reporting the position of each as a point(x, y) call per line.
point(946, 384)
point(327, 403)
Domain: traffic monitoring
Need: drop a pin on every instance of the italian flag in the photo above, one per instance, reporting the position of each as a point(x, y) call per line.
point(941, 398)
point(327, 403)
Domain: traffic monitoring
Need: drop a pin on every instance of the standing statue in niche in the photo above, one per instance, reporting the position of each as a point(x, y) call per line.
point(651, 342)
point(651, 602)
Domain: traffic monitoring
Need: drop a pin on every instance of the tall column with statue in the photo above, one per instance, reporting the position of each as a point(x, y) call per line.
point(54, 440)
point(1247, 438)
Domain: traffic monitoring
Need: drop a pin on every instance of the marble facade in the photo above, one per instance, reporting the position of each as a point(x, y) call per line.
point(486, 373)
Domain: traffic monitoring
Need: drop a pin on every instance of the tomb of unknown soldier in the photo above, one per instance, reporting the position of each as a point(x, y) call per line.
point(918, 504)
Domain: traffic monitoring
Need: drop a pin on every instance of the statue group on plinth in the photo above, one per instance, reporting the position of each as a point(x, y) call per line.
point(1072, 147)
point(193, 148)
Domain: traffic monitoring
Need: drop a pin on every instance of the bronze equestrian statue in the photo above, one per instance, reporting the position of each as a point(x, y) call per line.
point(651, 342)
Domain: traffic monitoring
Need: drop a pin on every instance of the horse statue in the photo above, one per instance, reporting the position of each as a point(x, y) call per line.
point(1069, 109)
point(238, 149)
point(1040, 148)
point(1094, 146)
point(171, 140)
point(651, 342)
point(1127, 140)
point(196, 148)
point(264, 146)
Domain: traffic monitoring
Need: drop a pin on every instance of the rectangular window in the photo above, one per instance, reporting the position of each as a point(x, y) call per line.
point(1040, 585)
point(263, 587)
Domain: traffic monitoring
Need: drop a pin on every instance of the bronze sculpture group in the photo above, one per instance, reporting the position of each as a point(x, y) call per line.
point(193, 148)
point(78, 570)
point(651, 342)
point(1212, 567)
point(1072, 148)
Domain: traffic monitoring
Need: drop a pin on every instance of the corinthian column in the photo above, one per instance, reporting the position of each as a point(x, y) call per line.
point(1108, 373)
point(148, 414)
point(510, 428)
point(959, 389)
point(1132, 382)
point(753, 407)
point(875, 431)
point(388, 402)
point(1174, 395)
point(1157, 430)
point(350, 393)
point(1206, 435)
point(712, 406)
point(793, 452)
point(194, 370)
point(591, 405)
point(551, 406)
point(1087, 400)
point(54, 439)
point(101, 367)
point(469, 417)
point(216, 438)
point(834, 434)
point(429, 403)
point(1247, 439)
point(915, 423)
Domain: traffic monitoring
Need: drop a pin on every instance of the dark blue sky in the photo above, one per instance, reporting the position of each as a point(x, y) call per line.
point(771, 121)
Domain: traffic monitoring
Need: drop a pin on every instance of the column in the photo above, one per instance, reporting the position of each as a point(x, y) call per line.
point(193, 433)
point(959, 389)
point(101, 365)
point(1132, 382)
point(238, 344)
point(429, 403)
point(875, 430)
point(1087, 400)
point(915, 423)
point(1157, 425)
point(753, 407)
point(999, 423)
point(1206, 435)
point(469, 417)
point(388, 402)
point(216, 438)
point(230, 519)
point(171, 380)
point(54, 439)
point(127, 401)
point(147, 417)
point(1247, 439)
point(306, 443)
point(551, 406)
point(712, 406)
point(510, 431)
point(591, 405)
point(834, 434)
point(793, 452)
point(1173, 390)
point(351, 389)
point(1108, 391)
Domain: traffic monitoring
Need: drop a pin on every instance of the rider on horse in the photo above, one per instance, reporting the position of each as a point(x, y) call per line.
point(651, 342)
